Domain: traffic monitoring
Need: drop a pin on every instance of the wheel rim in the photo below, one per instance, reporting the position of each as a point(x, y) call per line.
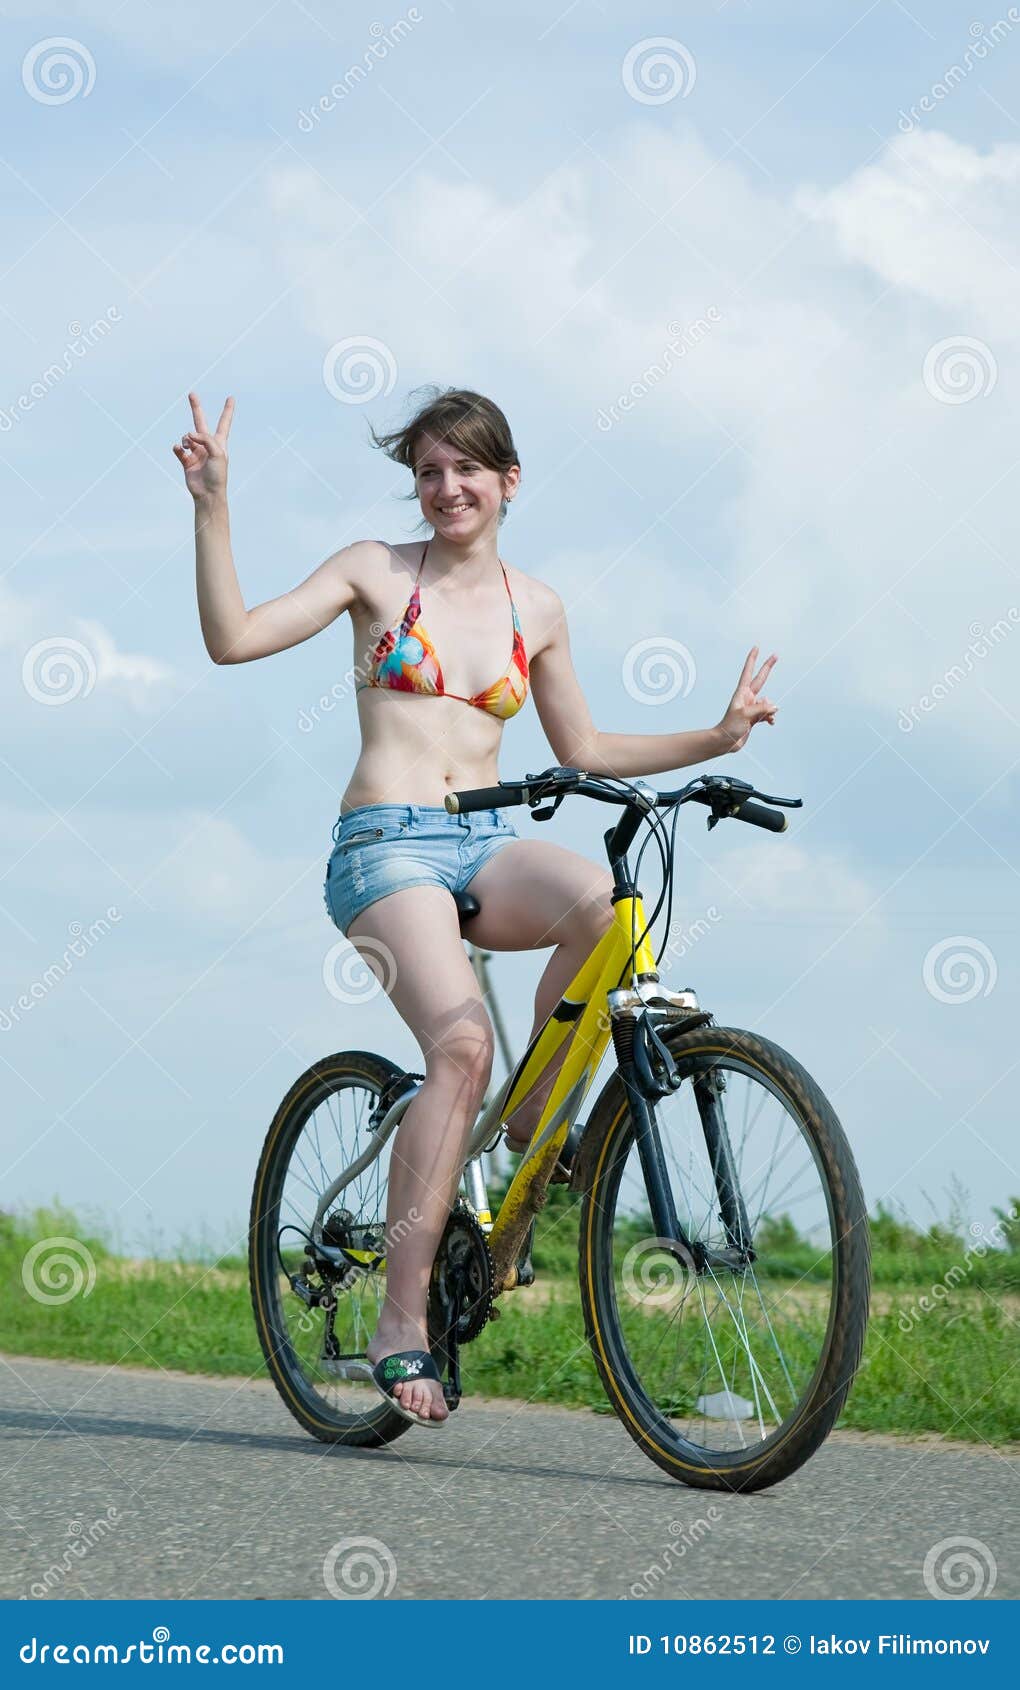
point(330, 1136)
point(726, 1360)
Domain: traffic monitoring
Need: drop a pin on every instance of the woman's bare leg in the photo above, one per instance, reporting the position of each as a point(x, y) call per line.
point(532, 895)
point(435, 991)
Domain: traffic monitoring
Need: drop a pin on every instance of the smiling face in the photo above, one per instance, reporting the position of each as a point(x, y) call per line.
point(459, 495)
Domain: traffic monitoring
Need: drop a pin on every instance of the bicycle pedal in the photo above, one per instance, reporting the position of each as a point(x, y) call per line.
point(346, 1367)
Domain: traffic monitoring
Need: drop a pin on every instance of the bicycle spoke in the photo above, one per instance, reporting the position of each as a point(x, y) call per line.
point(728, 1355)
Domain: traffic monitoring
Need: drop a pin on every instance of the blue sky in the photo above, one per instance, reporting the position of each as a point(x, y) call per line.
point(535, 205)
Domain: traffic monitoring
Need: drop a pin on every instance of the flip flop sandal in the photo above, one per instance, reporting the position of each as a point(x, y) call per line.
point(394, 1370)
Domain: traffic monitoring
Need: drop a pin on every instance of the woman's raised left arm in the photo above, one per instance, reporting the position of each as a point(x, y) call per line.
point(577, 743)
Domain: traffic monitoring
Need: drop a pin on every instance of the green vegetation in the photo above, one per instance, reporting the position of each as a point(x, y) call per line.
point(940, 1356)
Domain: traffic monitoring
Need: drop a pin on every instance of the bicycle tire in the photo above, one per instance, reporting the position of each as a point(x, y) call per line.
point(331, 1074)
point(602, 1154)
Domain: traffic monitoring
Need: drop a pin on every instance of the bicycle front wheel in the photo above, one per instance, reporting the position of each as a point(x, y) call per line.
point(729, 1374)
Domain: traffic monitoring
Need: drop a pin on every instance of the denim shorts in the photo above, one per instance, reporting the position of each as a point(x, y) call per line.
point(384, 848)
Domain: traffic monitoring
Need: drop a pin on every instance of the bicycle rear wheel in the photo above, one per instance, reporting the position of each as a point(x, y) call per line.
point(729, 1377)
point(321, 1127)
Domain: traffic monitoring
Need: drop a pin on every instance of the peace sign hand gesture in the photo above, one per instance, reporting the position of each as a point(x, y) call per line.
point(745, 707)
point(203, 456)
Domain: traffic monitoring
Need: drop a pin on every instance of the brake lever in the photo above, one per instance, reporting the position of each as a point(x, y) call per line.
point(787, 803)
point(549, 810)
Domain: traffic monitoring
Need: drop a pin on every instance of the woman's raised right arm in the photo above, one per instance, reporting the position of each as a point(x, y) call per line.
point(233, 634)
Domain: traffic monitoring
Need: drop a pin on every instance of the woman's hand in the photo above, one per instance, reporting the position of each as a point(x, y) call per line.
point(202, 455)
point(745, 707)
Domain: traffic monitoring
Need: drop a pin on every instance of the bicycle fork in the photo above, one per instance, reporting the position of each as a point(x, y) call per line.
point(649, 1075)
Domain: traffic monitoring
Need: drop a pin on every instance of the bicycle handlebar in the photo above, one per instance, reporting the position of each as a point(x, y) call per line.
point(723, 794)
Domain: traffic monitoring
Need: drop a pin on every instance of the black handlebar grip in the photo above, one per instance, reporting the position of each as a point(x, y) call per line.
point(482, 798)
point(759, 815)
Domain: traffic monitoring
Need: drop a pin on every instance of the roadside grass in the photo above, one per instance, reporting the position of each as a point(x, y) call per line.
point(946, 1368)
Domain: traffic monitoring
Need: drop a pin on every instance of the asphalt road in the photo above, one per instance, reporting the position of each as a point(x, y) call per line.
point(180, 1487)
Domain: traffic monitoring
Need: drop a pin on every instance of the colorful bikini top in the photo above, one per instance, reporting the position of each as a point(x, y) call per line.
point(405, 661)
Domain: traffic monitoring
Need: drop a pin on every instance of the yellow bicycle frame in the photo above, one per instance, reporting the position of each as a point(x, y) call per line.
point(582, 1018)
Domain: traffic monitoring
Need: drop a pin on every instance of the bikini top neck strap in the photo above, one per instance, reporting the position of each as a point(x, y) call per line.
point(502, 565)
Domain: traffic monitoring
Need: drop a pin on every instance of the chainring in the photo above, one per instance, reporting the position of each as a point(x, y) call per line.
point(463, 1262)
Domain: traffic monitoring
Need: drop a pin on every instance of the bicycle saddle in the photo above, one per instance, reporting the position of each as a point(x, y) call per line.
point(467, 905)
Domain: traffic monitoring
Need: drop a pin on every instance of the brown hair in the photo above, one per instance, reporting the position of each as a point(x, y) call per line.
point(461, 418)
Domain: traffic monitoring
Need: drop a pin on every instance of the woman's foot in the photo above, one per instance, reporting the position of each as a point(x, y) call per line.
point(423, 1397)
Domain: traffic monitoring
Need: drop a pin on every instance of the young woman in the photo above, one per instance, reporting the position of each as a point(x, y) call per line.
point(466, 638)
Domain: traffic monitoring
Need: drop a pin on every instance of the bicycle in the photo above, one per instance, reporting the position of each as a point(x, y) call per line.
point(723, 1248)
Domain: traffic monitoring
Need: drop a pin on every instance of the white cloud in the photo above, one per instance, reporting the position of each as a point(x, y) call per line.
point(795, 880)
point(65, 654)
